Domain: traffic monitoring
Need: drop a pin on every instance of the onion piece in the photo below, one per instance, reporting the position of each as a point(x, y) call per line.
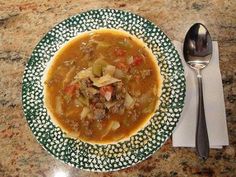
point(104, 80)
point(130, 60)
point(129, 101)
point(115, 125)
point(108, 96)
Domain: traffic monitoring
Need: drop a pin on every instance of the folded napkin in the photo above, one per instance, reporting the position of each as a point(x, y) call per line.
point(184, 134)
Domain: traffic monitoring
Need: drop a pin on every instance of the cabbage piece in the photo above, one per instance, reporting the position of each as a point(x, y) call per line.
point(92, 90)
point(112, 126)
point(69, 62)
point(59, 105)
point(83, 101)
point(104, 80)
point(129, 101)
point(84, 113)
point(68, 75)
point(106, 130)
point(148, 109)
point(102, 44)
point(110, 104)
point(119, 74)
point(84, 74)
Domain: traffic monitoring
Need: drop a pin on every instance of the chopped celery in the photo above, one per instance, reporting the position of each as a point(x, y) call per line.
point(98, 66)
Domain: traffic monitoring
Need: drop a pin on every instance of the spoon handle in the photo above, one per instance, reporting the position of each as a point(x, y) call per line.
point(202, 142)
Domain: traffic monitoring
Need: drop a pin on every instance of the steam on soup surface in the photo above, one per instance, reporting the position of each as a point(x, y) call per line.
point(102, 86)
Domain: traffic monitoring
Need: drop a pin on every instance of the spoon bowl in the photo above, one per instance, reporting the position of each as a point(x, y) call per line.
point(197, 54)
point(198, 47)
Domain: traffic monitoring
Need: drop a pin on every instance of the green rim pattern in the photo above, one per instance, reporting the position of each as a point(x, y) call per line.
point(113, 156)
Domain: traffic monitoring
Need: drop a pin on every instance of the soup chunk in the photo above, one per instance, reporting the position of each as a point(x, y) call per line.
point(102, 86)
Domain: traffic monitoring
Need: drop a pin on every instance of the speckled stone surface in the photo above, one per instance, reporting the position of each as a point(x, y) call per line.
point(23, 24)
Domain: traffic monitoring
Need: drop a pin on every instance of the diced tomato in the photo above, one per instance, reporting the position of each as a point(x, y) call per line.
point(120, 52)
point(105, 89)
point(70, 89)
point(137, 60)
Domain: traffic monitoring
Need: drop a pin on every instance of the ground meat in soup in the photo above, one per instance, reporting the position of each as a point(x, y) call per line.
point(99, 113)
point(102, 85)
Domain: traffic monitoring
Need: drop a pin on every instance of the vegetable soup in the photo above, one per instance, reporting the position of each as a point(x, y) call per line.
point(102, 86)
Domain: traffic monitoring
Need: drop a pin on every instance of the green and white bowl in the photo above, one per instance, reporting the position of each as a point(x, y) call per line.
point(109, 157)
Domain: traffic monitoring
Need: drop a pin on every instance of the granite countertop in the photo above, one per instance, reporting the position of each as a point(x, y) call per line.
point(22, 25)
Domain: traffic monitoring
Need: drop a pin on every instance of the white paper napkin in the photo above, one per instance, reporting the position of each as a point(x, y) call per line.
point(184, 134)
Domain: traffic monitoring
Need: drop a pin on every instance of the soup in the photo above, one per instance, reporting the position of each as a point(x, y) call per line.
point(102, 86)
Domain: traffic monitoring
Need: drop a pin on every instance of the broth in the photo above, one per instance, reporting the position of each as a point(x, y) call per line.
point(102, 86)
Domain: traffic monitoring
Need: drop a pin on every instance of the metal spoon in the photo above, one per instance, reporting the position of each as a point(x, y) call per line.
point(197, 54)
